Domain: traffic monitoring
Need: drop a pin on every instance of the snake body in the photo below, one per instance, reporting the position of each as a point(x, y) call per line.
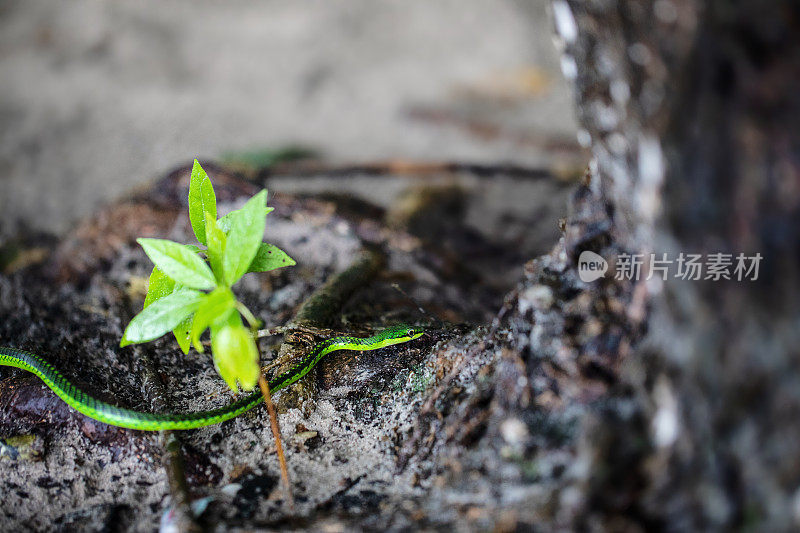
point(127, 418)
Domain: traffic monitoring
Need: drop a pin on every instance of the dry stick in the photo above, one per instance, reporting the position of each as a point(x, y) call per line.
point(318, 310)
point(403, 169)
point(176, 475)
point(185, 521)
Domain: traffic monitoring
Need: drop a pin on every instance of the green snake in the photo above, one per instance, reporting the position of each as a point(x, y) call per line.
point(127, 418)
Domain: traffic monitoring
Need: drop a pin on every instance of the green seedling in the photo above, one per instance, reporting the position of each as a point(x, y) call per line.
point(190, 286)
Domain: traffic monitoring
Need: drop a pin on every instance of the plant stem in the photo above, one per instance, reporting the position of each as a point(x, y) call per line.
point(319, 310)
point(276, 431)
point(251, 319)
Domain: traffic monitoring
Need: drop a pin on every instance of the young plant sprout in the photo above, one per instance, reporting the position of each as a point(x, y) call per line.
point(190, 286)
point(189, 292)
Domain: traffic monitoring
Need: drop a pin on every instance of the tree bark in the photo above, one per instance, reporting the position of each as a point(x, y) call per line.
point(692, 110)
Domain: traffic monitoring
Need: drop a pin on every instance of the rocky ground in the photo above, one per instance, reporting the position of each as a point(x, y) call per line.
point(440, 138)
point(362, 447)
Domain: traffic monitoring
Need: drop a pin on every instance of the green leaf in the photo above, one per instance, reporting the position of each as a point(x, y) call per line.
point(179, 263)
point(247, 230)
point(181, 333)
point(235, 353)
point(224, 223)
point(160, 285)
point(201, 201)
point(216, 247)
point(269, 257)
point(161, 316)
point(215, 307)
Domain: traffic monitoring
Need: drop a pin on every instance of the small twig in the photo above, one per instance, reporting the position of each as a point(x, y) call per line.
point(276, 431)
point(271, 332)
point(176, 475)
point(185, 521)
point(260, 334)
point(267, 368)
point(404, 169)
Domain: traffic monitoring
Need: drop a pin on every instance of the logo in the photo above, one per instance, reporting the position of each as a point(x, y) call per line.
point(591, 266)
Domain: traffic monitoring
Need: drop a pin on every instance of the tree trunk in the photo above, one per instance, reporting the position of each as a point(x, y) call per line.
point(693, 111)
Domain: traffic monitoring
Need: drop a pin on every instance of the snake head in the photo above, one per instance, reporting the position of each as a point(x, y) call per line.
point(415, 332)
point(403, 333)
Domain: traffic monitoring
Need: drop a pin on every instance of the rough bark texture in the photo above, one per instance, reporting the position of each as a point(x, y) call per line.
point(706, 96)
